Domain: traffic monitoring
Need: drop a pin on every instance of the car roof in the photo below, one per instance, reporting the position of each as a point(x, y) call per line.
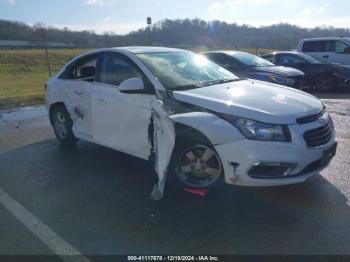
point(130, 49)
point(282, 53)
point(137, 49)
point(148, 49)
point(325, 38)
point(227, 52)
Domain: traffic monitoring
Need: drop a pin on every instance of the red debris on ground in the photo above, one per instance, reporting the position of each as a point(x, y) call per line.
point(199, 192)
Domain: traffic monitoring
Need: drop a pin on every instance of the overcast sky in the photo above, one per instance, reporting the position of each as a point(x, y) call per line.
point(123, 16)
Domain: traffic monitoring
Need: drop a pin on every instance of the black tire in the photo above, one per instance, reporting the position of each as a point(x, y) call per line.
point(62, 125)
point(196, 177)
point(325, 83)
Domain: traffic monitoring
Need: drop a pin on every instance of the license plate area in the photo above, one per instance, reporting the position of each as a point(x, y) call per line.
point(328, 154)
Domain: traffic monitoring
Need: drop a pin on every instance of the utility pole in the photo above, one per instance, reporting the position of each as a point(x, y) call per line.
point(43, 34)
point(149, 23)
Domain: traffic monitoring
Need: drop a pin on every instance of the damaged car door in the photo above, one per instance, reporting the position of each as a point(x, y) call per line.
point(120, 119)
point(80, 76)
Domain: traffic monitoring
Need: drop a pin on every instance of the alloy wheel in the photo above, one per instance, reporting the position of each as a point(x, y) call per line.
point(324, 83)
point(61, 125)
point(199, 167)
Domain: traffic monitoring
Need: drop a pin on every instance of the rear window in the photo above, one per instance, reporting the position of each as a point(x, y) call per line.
point(250, 60)
point(225, 61)
point(319, 46)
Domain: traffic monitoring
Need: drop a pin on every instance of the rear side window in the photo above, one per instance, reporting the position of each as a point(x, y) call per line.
point(318, 46)
point(82, 69)
point(86, 68)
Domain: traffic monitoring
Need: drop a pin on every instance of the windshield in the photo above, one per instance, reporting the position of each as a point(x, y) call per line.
point(250, 60)
point(309, 58)
point(185, 69)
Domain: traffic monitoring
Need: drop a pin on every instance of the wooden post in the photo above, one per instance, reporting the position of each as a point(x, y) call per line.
point(46, 51)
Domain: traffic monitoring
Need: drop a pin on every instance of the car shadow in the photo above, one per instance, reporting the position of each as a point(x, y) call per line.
point(99, 201)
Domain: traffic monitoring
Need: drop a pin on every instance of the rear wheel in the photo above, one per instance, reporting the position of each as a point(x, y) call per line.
point(194, 166)
point(62, 125)
point(325, 83)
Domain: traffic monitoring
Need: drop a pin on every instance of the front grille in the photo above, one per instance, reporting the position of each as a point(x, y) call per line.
point(319, 136)
point(310, 119)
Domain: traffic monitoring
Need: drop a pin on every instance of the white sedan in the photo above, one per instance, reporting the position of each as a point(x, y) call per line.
point(240, 131)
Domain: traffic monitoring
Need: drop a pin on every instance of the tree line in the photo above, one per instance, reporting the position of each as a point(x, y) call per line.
point(186, 33)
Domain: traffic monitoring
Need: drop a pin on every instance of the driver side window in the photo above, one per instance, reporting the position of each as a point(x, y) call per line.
point(114, 69)
point(340, 47)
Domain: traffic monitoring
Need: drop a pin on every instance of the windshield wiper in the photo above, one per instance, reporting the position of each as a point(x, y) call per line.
point(203, 84)
point(187, 87)
point(222, 81)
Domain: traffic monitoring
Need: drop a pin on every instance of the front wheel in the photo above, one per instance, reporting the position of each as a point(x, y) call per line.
point(194, 166)
point(325, 83)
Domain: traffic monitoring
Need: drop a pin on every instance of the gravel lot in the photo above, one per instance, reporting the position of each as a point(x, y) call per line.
point(97, 201)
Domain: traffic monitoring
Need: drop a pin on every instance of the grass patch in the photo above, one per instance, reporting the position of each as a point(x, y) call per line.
point(23, 73)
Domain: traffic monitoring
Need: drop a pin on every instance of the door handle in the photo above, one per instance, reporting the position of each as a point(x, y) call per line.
point(101, 101)
point(79, 93)
point(325, 56)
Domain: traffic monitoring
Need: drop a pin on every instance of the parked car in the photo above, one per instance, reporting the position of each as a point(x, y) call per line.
point(327, 49)
point(254, 67)
point(249, 133)
point(318, 75)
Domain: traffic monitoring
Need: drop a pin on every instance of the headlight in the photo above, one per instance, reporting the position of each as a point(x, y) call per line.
point(283, 80)
point(256, 130)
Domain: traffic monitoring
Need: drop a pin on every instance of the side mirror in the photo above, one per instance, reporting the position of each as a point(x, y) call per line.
point(347, 50)
point(131, 85)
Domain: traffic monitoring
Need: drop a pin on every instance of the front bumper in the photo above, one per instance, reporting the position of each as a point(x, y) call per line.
point(239, 157)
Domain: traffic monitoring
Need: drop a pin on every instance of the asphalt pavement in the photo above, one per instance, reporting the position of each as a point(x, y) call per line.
point(92, 200)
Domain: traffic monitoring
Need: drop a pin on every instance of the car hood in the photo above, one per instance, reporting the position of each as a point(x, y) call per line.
point(253, 99)
point(338, 66)
point(282, 71)
point(331, 66)
point(347, 67)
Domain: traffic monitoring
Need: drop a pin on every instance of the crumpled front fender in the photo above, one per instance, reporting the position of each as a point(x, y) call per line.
point(217, 130)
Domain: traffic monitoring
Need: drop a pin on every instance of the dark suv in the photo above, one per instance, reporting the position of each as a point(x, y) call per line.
point(318, 75)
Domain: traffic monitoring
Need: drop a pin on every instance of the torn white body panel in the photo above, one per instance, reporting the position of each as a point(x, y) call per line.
point(164, 141)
